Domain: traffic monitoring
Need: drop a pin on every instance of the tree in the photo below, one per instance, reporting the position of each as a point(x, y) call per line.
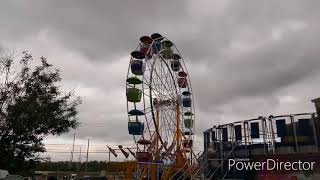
point(32, 106)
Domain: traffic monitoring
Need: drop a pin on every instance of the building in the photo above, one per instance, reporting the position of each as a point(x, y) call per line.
point(280, 143)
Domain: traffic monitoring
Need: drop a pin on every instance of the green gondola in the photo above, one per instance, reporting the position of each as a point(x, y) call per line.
point(188, 123)
point(134, 95)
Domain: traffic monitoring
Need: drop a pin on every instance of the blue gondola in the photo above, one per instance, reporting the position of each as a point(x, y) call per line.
point(186, 102)
point(136, 128)
point(137, 67)
point(156, 47)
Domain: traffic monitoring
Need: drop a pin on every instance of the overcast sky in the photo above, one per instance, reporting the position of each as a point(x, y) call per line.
point(245, 58)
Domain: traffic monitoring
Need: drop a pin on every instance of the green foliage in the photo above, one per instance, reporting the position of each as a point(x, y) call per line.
point(93, 166)
point(33, 106)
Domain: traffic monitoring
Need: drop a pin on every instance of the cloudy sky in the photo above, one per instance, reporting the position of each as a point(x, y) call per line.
point(246, 58)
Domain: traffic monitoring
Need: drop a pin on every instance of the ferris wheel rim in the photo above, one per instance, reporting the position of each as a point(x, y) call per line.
point(152, 110)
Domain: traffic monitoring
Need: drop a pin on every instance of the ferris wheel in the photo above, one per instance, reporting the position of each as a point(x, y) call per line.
point(160, 102)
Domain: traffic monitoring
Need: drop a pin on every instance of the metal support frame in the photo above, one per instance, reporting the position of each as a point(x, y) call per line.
point(314, 131)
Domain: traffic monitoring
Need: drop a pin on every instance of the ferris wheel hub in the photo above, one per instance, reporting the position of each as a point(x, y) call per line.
point(163, 102)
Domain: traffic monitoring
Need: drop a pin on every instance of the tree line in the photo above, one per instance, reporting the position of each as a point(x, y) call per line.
point(92, 166)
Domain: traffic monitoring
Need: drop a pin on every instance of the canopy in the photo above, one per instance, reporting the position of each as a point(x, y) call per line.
point(186, 93)
point(167, 44)
point(182, 74)
point(146, 39)
point(156, 36)
point(188, 113)
point(176, 57)
point(137, 55)
point(134, 80)
point(136, 112)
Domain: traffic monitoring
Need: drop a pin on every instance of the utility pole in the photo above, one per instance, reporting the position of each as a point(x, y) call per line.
point(79, 165)
point(71, 158)
point(109, 156)
point(74, 139)
point(87, 156)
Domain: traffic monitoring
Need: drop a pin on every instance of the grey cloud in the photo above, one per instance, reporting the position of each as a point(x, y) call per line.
point(95, 29)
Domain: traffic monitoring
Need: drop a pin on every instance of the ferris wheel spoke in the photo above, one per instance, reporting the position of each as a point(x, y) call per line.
point(165, 125)
point(161, 81)
point(170, 129)
point(172, 118)
point(158, 83)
